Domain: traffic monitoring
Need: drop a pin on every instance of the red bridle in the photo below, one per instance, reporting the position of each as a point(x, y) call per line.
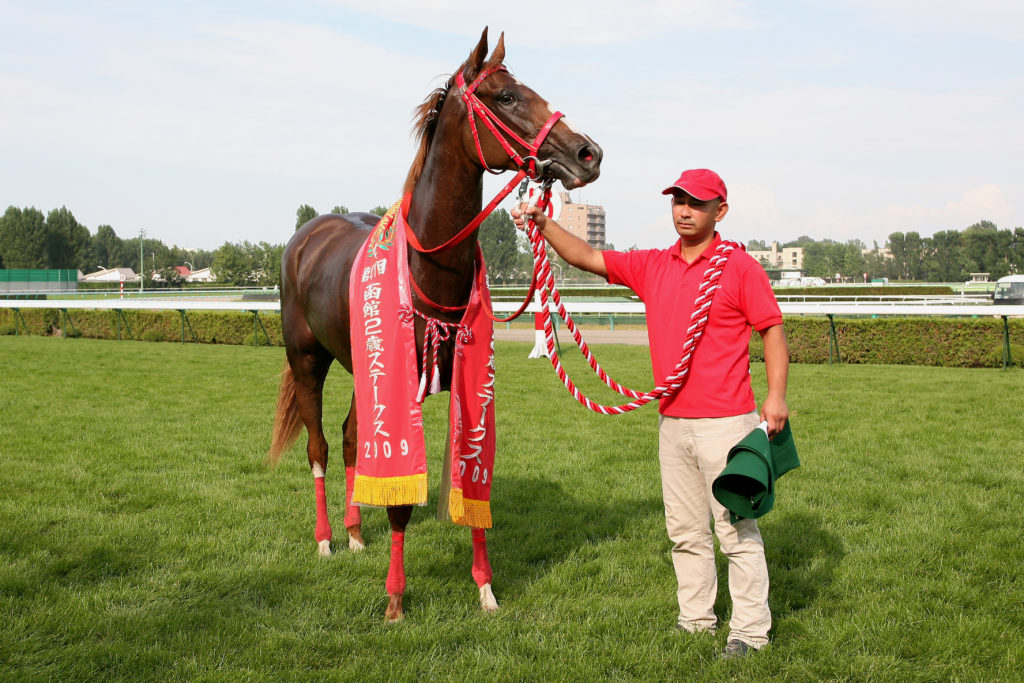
point(527, 165)
point(476, 108)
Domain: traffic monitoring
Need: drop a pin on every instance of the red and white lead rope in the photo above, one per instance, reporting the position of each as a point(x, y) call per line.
point(698, 321)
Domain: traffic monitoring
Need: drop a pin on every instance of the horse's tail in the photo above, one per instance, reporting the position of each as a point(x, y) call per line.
point(288, 422)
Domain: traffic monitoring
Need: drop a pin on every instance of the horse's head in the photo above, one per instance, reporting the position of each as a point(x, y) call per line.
point(520, 129)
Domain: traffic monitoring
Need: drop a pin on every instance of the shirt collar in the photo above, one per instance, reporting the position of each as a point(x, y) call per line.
point(706, 254)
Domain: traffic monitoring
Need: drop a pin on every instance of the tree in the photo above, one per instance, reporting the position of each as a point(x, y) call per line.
point(816, 261)
point(897, 247)
point(67, 241)
point(947, 260)
point(170, 277)
point(498, 240)
point(268, 263)
point(757, 245)
point(913, 255)
point(1017, 251)
point(233, 264)
point(876, 265)
point(340, 209)
point(379, 210)
point(990, 250)
point(105, 250)
point(853, 260)
point(23, 238)
point(802, 241)
point(303, 215)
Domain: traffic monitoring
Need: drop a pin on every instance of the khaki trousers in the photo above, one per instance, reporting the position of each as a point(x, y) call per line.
point(692, 452)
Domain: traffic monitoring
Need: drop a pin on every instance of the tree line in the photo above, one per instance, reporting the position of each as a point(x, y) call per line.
point(30, 239)
point(946, 256)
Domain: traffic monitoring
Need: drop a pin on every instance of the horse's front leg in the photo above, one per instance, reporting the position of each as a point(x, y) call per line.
point(395, 584)
point(353, 517)
point(482, 573)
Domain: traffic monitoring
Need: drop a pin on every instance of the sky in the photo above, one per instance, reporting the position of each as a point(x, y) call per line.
point(211, 122)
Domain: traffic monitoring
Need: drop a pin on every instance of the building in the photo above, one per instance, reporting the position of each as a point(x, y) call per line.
point(112, 275)
point(202, 275)
point(788, 258)
point(183, 272)
point(586, 221)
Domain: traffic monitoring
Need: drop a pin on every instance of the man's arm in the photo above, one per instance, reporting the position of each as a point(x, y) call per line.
point(575, 251)
point(776, 361)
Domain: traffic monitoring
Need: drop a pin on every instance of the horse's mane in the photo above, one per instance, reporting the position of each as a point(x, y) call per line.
point(424, 124)
point(425, 118)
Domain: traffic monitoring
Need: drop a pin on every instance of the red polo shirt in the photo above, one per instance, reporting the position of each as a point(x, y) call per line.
point(719, 377)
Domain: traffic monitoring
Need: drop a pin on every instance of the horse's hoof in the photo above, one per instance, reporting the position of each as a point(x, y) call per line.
point(324, 548)
point(487, 600)
point(355, 538)
point(394, 613)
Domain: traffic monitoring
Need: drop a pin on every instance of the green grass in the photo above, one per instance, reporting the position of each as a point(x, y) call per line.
point(143, 538)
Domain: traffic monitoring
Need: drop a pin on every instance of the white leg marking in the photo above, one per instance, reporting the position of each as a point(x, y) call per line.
point(317, 470)
point(487, 599)
point(354, 545)
point(324, 548)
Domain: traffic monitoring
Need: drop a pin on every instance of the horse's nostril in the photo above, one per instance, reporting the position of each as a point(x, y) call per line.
point(588, 155)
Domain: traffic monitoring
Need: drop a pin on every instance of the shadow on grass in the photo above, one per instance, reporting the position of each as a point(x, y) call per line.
point(538, 525)
point(802, 560)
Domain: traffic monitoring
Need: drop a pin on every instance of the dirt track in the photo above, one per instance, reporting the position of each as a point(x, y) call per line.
point(605, 336)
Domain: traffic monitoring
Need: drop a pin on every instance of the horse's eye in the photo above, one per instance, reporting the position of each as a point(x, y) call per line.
point(505, 97)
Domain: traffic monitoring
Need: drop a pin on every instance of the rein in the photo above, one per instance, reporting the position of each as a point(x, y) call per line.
point(544, 277)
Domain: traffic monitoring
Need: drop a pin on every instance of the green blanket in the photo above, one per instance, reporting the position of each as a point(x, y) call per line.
point(746, 487)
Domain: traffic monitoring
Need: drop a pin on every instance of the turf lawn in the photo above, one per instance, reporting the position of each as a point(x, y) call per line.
point(142, 537)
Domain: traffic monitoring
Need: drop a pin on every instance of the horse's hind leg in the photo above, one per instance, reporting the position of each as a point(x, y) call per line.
point(395, 585)
point(482, 573)
point(353, 518)
point(310, 370)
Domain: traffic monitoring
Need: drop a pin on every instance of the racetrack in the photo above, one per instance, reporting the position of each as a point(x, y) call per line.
point(591, 336)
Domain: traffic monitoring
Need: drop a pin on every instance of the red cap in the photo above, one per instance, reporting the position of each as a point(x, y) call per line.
point(701, 183)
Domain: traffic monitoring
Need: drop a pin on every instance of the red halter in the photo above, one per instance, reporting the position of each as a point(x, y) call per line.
point(475, 107)
point(527, 165)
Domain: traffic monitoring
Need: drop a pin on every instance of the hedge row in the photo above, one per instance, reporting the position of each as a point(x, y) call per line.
point(942, 342)
point(945, 342)
point(208, 327)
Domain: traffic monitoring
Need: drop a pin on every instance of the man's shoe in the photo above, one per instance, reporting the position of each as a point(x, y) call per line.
point(735, 649)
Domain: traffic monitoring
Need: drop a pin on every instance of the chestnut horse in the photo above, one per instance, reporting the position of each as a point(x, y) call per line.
point(446, 183)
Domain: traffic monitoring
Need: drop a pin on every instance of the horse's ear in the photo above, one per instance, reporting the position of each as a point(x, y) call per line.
point(498, 56)
point(474, 65)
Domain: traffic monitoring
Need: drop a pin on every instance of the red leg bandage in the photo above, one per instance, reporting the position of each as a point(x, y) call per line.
point(323, 527)
point(395, 584)
point(481, 567)
point(352, 515)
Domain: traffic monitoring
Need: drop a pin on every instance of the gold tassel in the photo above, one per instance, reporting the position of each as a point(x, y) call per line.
point(469, 512)
point(386, 491)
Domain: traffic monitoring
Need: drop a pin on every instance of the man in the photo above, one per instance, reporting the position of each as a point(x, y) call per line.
point(715, 408)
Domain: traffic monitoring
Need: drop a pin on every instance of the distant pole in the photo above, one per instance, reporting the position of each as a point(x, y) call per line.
point(142, 259)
